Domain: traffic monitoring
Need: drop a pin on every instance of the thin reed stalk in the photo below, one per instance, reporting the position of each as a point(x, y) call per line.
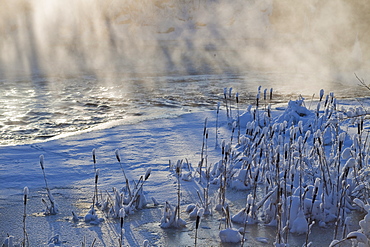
point(25, 241)
point(123, 171)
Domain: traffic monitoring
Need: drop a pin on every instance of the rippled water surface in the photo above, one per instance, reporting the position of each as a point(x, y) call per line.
point(41, 107)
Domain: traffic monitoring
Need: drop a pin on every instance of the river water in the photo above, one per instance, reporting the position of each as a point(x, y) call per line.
point(42, 107)
point(182, 54)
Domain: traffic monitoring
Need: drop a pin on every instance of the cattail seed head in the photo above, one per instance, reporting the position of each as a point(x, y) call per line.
point(147, 174)
point(117, 155)
point(271, 90)
point(249, 199)
point(200, 212)
point(317, 182)
point(178, 170)
point(122, 213)
point(321, 94)
point(197, 222)
point(25, 191)
point(94, 156)
point(25, 195)
point(42, 161)
point(97, 175)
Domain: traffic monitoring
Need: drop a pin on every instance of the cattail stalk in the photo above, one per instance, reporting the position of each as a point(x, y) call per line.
point(43, 170)
point(217, 112)
point(231, 116)
point(178, 173)
point(134, 198)
point(238, 119)
point(227, 108)
point(25, 235)
point(197, 223)
point(123, 171)
point(205, 135)
point(51, 199)
point(96, 199)
point(122, 214)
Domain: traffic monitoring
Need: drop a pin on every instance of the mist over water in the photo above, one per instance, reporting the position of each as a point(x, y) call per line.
point(145, 36)
point(70, 65)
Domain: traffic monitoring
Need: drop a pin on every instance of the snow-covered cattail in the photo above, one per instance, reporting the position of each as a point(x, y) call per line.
point(147, 174)
point(307, 135)
point(300, 127)
point(42, 161)
point(321, 94)
point(146, 243)
point(351, 162)
point(347, 153)
point(249, 199)
point(200, 213)
point(122, 213)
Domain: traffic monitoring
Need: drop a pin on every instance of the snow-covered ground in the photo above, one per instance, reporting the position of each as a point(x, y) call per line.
point(251, 174)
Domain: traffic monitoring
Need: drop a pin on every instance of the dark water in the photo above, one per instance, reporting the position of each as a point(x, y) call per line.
point(42, 107)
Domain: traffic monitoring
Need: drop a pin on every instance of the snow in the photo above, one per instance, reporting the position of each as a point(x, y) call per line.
point(73, 168)
point(230, 236)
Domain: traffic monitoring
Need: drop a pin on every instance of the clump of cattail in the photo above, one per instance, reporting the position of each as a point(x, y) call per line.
point(170, 218)
point(138, 196)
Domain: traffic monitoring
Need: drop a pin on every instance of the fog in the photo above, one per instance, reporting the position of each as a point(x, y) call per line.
point(50, 37)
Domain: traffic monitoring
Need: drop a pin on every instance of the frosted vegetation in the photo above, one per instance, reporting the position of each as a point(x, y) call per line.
point(305, 167)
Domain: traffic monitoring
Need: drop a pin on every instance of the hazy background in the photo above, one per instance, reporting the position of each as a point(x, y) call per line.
point(52, 37)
